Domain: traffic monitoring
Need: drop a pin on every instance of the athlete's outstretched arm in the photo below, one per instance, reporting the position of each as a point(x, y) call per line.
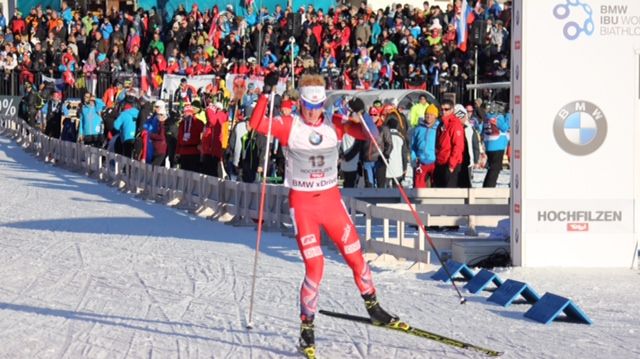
point(260, 121)
point(344, 125)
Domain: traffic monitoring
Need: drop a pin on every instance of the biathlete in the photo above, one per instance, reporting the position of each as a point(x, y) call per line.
point(311, 142)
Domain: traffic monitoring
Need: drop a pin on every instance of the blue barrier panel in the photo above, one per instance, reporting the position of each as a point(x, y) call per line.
point(454, 268)
point(482, 280)
point(550, 306)
point(510, 290)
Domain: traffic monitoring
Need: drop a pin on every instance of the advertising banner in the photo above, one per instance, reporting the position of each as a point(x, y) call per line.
point(9, 106)
point(575, 85)
point(171, 82)
point(256, 82)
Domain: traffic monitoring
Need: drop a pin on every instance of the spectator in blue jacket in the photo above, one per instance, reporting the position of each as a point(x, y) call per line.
point(3, 22)
point(268, 58)
point(496, 139)
point(91, 128)
point(125, 124)
point(67, 15)
point(106, 29)
point(423, 148)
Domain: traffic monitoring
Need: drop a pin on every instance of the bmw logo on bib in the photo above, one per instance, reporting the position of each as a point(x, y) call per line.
point(580, 128)
point(315, 138)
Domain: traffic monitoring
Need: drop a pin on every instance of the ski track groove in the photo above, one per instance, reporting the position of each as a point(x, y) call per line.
point(155, 302)
point(171, 325)
point(191, 278)
point(240, 318)
point(130, 345)
point(79, 252)
point(43, 272)
point(70, 332)
point(345, 330)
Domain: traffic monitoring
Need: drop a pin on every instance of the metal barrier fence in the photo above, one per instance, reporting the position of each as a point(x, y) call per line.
point(12, 83)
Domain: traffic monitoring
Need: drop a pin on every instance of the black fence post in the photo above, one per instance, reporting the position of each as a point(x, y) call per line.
point(15, 85)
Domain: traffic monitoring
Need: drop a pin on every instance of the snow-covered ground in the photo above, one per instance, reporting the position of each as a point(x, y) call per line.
point(89, 272)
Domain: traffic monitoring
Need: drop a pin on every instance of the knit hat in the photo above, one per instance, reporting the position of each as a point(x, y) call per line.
point(432, 110)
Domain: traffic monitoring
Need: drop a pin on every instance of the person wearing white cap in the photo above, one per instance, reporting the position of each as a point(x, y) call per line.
point(311, 140)
point(156, 135)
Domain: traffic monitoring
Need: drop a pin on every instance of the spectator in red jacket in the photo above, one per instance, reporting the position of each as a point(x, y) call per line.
point(213, 138)
point(189, 132)
point(449, 148)
point(18, 25)
point(172, 66)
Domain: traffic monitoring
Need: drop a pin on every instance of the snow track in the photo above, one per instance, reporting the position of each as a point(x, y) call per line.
point(90, 272)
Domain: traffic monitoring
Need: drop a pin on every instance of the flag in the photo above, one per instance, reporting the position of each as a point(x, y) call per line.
point(465, 18)
point(59, 83)
point(144, 79)
point(368, 121)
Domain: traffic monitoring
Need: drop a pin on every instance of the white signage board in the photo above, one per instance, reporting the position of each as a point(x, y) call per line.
point(575, 133)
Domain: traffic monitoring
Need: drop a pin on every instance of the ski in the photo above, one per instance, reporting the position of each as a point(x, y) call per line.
point(406, 328)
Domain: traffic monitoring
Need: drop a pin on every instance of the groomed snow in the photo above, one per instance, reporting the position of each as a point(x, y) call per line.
point(89, 272)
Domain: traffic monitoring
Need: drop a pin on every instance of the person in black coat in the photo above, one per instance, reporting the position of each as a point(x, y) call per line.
point(254, 146)
point(53, 115)
point(29, 105)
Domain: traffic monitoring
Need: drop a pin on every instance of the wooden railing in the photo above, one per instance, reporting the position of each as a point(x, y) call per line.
point(400, 236)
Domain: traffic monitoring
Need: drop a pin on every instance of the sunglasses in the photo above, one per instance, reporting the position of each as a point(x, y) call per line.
point(446, 109)
point(311, 106)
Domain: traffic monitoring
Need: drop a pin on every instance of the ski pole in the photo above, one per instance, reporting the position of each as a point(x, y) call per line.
point(413, 211)
point(263, 196)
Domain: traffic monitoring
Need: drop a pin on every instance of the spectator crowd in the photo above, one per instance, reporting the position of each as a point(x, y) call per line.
point(55, 56)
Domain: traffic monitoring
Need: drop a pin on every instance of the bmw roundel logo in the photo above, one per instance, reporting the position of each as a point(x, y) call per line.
point(580, 128)
point(315, 138)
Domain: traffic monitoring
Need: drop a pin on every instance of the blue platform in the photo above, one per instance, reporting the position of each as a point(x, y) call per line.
point(481, 280)
point(512, 289)
point(454, 268)
point(551, 305)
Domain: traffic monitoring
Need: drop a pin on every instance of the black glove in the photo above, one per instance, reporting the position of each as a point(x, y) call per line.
point(356, 105)
point(272, 79)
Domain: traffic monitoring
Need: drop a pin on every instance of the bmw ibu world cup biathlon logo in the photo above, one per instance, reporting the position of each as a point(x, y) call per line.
point(577, 16)
point(580, 128)
point(315, 138)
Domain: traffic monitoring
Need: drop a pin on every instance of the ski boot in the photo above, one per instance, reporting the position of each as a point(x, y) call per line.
point(378, 315)
point(307, 341)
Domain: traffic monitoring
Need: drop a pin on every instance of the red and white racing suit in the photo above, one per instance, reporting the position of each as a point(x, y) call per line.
point(311, 172)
